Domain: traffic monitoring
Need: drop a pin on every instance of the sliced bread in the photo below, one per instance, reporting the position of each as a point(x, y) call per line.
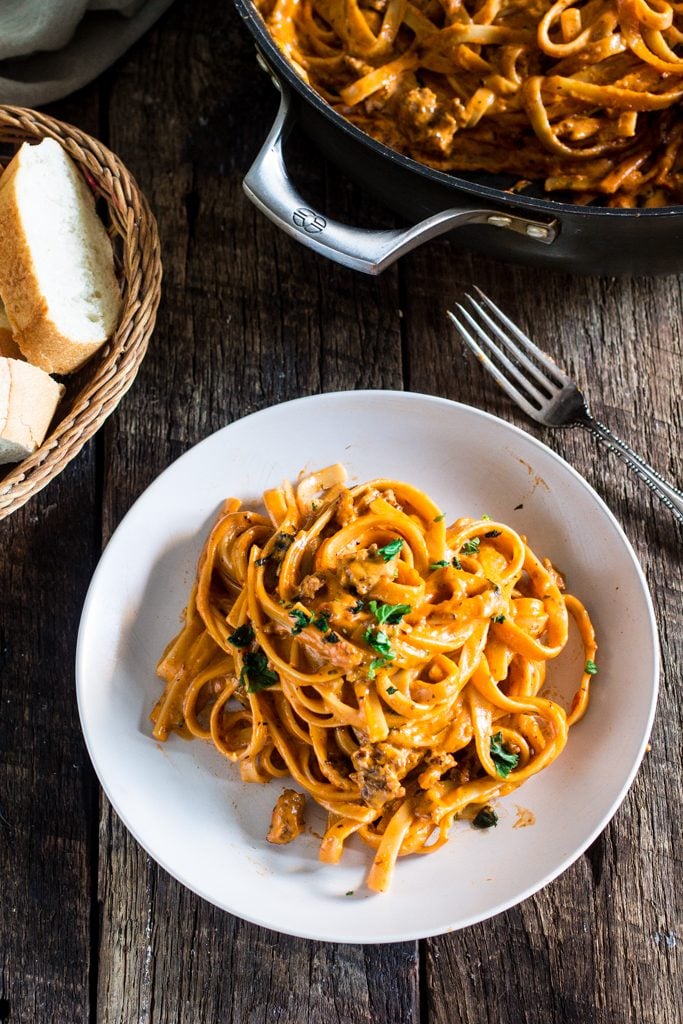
point(57, 277)
point(28, 399)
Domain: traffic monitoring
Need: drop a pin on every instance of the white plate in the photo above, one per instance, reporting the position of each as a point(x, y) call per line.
point(187, 806)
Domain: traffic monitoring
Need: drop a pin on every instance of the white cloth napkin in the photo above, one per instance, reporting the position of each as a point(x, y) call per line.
point(49, 48)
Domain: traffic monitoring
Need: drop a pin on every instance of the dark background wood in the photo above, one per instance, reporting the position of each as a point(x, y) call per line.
point(91, 930)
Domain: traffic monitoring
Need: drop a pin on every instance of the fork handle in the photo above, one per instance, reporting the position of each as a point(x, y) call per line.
point(671, 496)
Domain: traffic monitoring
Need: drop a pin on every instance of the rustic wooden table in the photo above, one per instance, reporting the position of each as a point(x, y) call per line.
point(91, 930)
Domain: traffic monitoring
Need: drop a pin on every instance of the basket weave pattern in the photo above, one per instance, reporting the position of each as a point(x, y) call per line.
point(111, 371)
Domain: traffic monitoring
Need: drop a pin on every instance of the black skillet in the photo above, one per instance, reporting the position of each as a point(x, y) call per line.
point(524, 228)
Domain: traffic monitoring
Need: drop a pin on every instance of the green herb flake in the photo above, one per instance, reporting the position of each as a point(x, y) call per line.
point(471, 546)
point(242, 636)
point(301, 620)
point(283, 541)
point(486, 516)
point(492, 533)
point(502, 758)
point(590, 667)
point(391, 690)
point(331, 638)
point(379, 641)
point(486, 818)
point(497, 618)
point(438, 565)
point(322, 623)
point(388, 614)
point(457, 564)
point(351, 892)
point(378, 663)
point(391, 549)
point(440, 519)
point(255, 674)
point(358, 607)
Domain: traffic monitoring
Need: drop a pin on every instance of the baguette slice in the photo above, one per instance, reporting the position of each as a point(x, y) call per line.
point(57, 276)
point(8, 346)
point(28, 399)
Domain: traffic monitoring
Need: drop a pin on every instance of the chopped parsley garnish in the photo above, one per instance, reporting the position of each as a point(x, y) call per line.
point(391, 690)
point(486, 516)
point(486, 818)
point(358, 607)
point(439, 565)
point(322, 623)
point(242, 636)
point(502, 758)
point(378, 663)
point(471, 546)
point(255, 674)
point(492, 533)
point(439, 519)
point(389, 614)
point(497, 618)
point(457, 564)
point(391, 549)
point(331, 638)
point(590, 667)
point(379, 641)
point(282, 542)
point(301, 620)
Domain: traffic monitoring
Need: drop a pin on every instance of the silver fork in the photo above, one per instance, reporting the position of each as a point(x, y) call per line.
point(541, 388)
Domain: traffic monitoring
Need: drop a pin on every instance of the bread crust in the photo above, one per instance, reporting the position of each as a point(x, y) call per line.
point(40, 340)
point(8, 346)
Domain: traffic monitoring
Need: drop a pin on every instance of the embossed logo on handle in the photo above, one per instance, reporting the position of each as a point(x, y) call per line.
point(309, 221)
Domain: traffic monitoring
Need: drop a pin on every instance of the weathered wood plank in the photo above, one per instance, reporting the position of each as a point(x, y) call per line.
point(47, 788)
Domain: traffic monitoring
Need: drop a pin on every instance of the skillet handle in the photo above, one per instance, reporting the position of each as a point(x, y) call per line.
point(270, 188)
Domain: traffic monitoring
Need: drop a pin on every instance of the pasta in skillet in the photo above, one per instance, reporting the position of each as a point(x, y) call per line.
point(583, 95)
point(390, 664)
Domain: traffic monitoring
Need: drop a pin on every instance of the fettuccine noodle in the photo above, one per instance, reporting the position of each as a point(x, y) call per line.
point(583, 95)
point(390, 664)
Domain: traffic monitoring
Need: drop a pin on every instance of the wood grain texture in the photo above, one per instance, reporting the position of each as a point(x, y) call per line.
point(47, 790)
point(91, 929)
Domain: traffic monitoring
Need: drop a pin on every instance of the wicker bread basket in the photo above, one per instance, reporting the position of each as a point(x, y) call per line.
point(95, 390)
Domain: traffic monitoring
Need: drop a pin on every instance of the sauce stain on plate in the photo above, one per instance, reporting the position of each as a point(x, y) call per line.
point(525, 817)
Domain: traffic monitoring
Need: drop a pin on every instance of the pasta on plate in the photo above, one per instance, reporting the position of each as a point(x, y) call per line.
point(390, 664)
point(582, 95)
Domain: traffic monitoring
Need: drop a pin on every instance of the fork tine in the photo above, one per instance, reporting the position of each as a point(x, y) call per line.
point(499, 377)
point(512, 369)
point(549, 386)
point(524, 339)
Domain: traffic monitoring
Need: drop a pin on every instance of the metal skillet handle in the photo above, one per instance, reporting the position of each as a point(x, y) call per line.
point(269, 187)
